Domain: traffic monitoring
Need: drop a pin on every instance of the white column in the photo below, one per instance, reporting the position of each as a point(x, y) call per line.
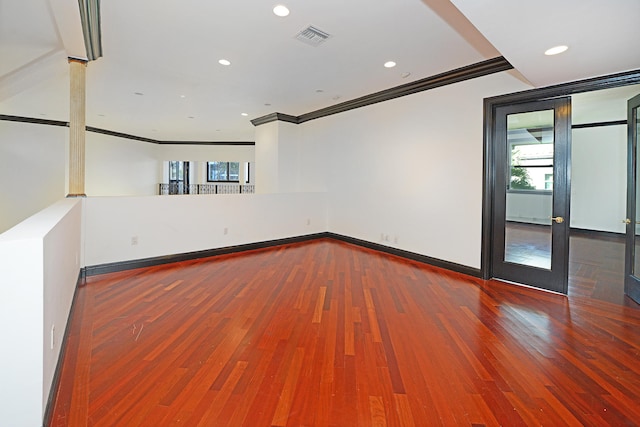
point(277, 165)
point(77, 125)
point(267, 158)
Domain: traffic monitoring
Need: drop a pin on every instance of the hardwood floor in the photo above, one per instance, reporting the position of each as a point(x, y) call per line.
point(596, 268)
point(324, 333)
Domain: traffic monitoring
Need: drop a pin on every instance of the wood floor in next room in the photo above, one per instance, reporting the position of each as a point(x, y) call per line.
point(324, 333)
point(596, 259)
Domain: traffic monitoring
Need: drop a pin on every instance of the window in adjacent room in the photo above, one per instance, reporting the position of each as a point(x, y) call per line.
point(176, 171)
point(531, 159)
point(223, 171)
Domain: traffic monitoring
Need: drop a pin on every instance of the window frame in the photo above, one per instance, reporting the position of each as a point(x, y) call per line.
point(531, 190)
point(233, 181)
point(176, 166)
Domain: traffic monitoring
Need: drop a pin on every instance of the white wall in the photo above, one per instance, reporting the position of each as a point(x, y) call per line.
point(535, 208)
point(203, 153)
point(177, 224)
point(289, 164)
point(39, 270)
point(599, 178)
point(316, 161)
point(123, 167)
point(267, 158)
point(120, 167)
point(32, 169)
point(410, 169)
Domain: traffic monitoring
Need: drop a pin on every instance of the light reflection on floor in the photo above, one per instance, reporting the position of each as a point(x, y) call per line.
point(528, 244)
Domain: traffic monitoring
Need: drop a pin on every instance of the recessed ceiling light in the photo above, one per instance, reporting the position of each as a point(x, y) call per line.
point(183, 96)
point(191, 117)
point(389, 64)
point(405, 75)
point(244, 114)
point(267, 105)
point(224, 62)
point(281, 10)
point(556, 50)
point(138, 93)
point(319, 90)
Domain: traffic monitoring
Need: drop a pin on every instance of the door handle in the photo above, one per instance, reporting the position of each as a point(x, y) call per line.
point(626, 221)
point(557, 219)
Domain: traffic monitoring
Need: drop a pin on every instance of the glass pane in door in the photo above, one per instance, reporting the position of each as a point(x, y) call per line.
point(636, 132)
point(529, 192)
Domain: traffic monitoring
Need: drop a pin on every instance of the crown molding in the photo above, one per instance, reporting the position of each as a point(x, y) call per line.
point(32, 120)
point(472, 71)
point(273, 117)
point(206, 142)
point(469, 72)
point(479, 69)
point(121, 135)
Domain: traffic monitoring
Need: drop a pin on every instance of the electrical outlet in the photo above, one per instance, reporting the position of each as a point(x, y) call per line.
point(134, 240)
point(226, 231)
point(53, 336)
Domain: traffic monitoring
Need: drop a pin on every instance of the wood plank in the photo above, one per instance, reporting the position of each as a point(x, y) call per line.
point(218, 400)
point(371, 313)
point(283, 409)
point(403, 408)
point(317, 313)
point(378, 417)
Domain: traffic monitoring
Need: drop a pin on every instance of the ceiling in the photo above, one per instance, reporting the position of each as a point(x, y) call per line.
point(159, 76)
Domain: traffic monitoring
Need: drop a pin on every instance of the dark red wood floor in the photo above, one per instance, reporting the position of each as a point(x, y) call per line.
point(596, 268)
point(328, 334)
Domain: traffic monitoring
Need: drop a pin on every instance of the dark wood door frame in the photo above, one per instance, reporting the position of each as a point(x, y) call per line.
point(489, 169)
point(631, 276)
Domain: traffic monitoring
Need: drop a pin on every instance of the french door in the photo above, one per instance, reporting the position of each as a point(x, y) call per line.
point(530, 212)
point(632, 255)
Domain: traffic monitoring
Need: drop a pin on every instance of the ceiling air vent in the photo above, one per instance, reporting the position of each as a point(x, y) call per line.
point(312, 36)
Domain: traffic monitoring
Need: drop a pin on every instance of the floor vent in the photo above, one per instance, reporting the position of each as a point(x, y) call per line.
point(312, 36)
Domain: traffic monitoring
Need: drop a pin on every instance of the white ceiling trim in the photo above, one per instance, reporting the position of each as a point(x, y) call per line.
point(66, 17)
point(31, 74)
